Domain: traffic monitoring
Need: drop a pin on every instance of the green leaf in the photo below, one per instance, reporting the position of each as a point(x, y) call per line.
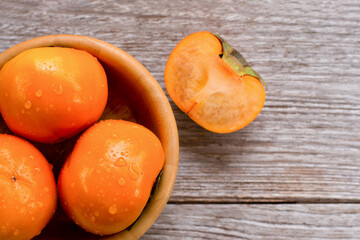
point(236, 61)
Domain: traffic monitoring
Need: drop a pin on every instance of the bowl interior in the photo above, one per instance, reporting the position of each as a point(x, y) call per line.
point(134, 95)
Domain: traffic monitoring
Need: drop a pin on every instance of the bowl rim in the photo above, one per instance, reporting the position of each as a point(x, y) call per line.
point(164, 116)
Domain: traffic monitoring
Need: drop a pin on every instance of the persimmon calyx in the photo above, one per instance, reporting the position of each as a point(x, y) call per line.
point(236, 61)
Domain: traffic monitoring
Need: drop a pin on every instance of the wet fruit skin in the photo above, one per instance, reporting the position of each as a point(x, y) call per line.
point(107, 180)
point(51, 93)
point(219, 96)
point(27, 189)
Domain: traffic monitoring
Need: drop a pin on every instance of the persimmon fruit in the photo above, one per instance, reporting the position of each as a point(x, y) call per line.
point(213, 84)
point(49, 94)
point(106, 181)
point(28, 195)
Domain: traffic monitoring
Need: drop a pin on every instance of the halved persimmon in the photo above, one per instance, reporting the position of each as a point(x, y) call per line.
point(213, 84)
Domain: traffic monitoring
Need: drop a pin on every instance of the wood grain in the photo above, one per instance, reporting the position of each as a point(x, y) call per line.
point(305, 143)
point(257, 221)
point(304, 147)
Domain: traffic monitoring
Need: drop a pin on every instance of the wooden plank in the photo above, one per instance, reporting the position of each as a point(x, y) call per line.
point(304, 146)
point(257, 221)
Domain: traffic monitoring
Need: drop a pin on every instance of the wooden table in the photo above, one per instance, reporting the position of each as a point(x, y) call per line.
point(294, 173)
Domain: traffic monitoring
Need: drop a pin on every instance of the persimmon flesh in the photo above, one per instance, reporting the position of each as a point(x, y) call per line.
point(213, 84)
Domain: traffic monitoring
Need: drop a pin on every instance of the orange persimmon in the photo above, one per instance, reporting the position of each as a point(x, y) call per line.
point(51, 93)
point(107, 180)
point(213, 84)
point(27, 189)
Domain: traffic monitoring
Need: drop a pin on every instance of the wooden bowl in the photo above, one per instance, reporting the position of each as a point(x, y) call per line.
point(134, 95)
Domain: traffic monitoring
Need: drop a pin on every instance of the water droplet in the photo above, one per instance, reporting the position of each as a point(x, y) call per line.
point(59, 90)
point(40, 204)
point(76, 99)
point(28, 104)
point(37, 170)
point(112, 209)
point(16, 232)
point(51, 166)
point(51, 105)
point(32, 218)
point(31, 157)
point(6, 94)
point(137, 193)
point(96, 213)
point(89, 152)
point(22, 111)
point(69, 109)
point(32, 204)
point(37, 109)
point(120, 162)
point(121, 181)
point(72, 184)
point(46, 189)
point(134, 172)
point(122, 154)
point(38, 93)
point(90, 98)
point(92, 219)
point(108, 170)
point(98, 171)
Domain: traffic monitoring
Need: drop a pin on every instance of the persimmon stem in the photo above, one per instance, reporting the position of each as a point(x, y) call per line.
point(236, 61)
